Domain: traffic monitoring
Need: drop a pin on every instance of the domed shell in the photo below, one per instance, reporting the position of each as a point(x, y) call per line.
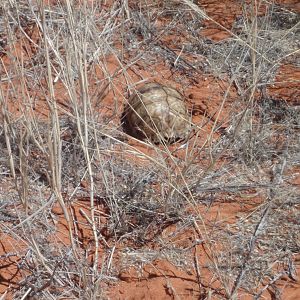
point(157, 112)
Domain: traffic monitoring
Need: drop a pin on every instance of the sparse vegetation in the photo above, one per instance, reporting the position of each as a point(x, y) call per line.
point(81, 202)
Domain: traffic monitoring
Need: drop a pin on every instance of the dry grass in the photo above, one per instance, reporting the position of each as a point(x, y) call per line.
point(56, 132)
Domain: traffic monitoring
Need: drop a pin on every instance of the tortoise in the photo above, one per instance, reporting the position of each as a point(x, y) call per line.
point(158, 113)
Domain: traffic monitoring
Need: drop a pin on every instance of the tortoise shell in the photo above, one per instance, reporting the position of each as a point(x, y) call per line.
point(158, 113)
